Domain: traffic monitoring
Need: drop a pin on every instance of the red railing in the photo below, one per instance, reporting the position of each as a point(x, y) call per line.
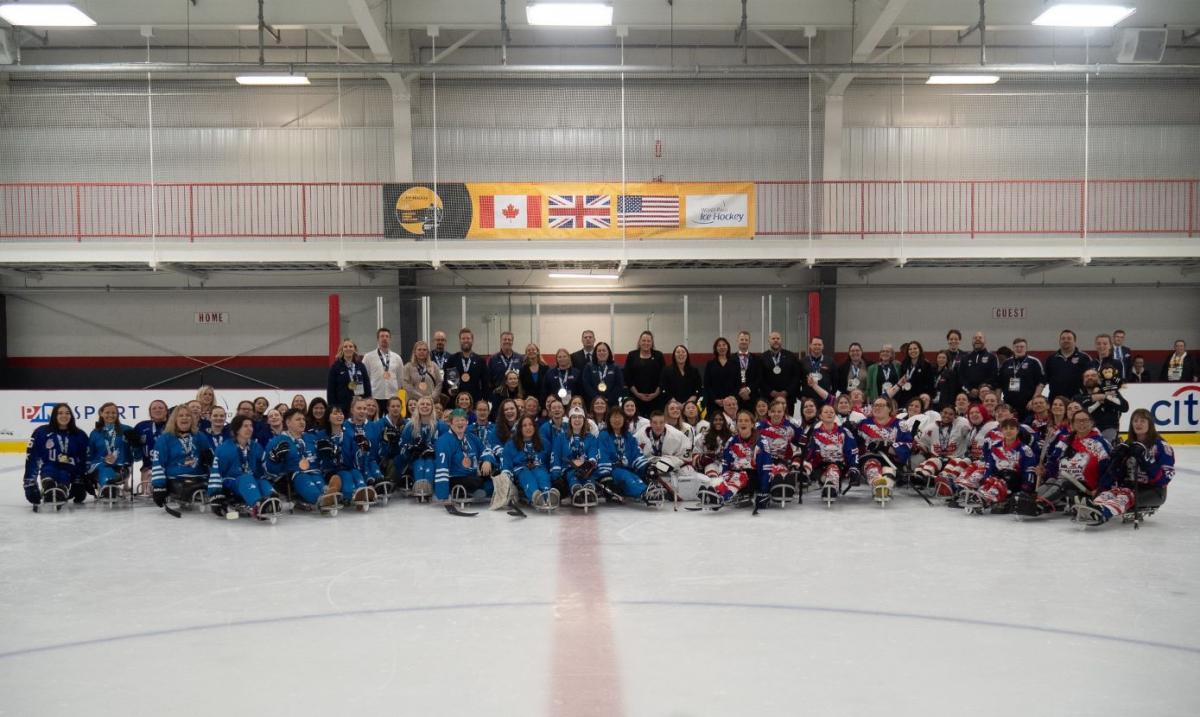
point(304, 211)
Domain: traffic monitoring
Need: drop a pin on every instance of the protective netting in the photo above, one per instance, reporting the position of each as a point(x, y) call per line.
point(1059, 155)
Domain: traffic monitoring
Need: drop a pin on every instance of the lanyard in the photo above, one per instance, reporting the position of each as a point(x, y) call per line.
point(743, 361)
point(466, 363)
point(563, 375)
point(352, 370)
point(576, 446)
point(619, 442)
point(186, 441)
point(245, 451)
point(814, 364)
point(508, 362)
point(887, 372)
point(603, 372)
point(944, 435)
point(387, 362)
point(656, 443)
point(110, 439)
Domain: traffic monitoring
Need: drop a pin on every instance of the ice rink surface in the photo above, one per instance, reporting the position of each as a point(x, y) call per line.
point(406, 610)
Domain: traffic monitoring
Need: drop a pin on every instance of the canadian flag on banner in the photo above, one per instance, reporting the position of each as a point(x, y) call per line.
point(510, 211)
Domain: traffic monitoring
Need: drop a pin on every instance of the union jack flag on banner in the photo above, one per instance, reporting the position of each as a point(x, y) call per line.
point(579, 211)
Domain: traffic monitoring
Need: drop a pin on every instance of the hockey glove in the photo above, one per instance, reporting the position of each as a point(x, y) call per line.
point(159, 494)
point(362, 442)
point(280, 452)
point(391, 436)
point(206, 459)
point(32, 493)
point(1120, 452)
point(1139, 452)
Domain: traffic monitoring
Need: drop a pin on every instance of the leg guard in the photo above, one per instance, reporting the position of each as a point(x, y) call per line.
point(504, 491)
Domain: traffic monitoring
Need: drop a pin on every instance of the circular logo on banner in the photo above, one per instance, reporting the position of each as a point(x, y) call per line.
point(417, 208)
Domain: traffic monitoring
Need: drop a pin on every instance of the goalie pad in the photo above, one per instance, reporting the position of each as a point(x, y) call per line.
point(503, 491)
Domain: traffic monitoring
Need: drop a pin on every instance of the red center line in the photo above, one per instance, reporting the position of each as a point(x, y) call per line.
point(586, 681)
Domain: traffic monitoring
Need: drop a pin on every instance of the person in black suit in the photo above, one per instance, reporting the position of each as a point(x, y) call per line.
point(680, 379)
point(781, 375)
point(816, 369)
point(1122, 353)
point(584, 356)
point(720, 375)
point(643, 375)
point(749, 372)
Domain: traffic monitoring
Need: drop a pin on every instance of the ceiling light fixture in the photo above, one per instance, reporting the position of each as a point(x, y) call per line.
point(1073, 15)
point(962, 79)
point(272, 80)
point(576, 275)
point(39, 15)
point(570, 14)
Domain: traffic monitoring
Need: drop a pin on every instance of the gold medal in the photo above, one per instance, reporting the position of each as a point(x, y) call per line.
point(603, 387)
point(64, 458)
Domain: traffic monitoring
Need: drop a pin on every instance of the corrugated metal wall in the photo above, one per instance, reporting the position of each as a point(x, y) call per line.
point(204, 132)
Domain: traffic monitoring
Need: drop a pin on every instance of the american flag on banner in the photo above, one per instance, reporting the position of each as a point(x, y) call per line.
point(579, 211)
point(647, 210)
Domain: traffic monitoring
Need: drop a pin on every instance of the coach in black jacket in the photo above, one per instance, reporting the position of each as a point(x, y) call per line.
point(781, 373)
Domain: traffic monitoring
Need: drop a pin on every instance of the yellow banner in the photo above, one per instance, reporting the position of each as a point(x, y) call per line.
point(608, 210)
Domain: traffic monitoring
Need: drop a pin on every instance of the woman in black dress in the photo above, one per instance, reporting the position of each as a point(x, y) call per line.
point(680, 379)
point(721, 376)
point(643, 375)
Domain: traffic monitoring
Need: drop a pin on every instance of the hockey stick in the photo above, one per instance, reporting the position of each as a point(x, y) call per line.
point(172, 512)
point(515, 510)
point(918, 492)
point(610, 494)
point(453, 509)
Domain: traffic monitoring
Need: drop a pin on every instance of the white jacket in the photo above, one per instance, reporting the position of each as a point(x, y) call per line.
point(381, 387)
point(674, 443)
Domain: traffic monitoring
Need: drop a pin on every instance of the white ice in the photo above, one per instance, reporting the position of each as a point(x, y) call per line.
point(406, 610)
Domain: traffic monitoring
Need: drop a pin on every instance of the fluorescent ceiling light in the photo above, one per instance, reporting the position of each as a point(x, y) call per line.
point(1071, 15)
point(573, 275)
point(57, 15)
point(272, 80)
point(962, 79)
point(569, 14)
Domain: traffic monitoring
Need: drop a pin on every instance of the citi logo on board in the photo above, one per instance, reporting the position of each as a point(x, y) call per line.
point(1180, 410)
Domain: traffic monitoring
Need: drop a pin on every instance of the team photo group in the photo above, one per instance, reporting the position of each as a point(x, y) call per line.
point(985, 431)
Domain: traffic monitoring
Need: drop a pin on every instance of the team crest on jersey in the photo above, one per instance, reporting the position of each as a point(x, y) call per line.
point(49, 443)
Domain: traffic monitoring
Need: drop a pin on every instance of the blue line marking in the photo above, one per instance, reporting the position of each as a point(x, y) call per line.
point(286, 619)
